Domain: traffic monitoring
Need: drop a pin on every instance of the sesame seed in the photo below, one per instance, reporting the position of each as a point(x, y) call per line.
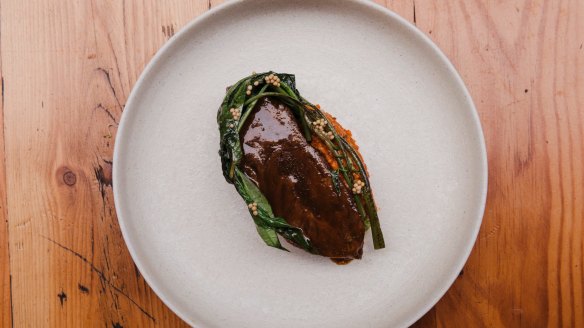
point(255, 212)
point(248, 92)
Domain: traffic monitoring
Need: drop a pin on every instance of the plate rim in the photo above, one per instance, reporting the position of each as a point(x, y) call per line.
point(437, 294)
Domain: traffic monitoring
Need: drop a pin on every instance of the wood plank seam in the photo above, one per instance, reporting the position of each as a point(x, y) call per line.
point(4, 199)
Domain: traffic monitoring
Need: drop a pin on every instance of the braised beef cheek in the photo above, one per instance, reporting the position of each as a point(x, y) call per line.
point(296, 180)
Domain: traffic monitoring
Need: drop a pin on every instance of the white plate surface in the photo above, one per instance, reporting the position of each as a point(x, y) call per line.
point(190, 233)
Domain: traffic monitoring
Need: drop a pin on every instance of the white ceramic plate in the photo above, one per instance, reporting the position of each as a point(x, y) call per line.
point(190, 233)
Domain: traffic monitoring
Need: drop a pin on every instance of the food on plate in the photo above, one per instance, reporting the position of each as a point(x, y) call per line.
point(297, 169)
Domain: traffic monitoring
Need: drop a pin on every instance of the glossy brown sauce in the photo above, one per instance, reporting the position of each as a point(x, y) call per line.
point(296, 180)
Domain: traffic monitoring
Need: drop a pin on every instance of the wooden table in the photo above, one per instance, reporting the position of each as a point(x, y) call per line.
point(68, 67)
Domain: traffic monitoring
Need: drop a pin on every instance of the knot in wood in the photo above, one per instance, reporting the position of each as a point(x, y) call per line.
point(69, 178)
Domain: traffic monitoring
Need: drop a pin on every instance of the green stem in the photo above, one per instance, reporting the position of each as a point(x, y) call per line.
point(378, 241)
point(249, 109)
point(361, 210)
point(286, 88)
point(371, 215)
point(267, 94)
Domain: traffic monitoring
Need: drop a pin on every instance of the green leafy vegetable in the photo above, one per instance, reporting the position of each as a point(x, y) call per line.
point(265, 219)
point(242, 98)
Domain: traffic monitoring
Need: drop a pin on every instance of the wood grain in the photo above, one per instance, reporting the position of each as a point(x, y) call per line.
point(522, 61)
point(5, 297)
point(67, 68)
